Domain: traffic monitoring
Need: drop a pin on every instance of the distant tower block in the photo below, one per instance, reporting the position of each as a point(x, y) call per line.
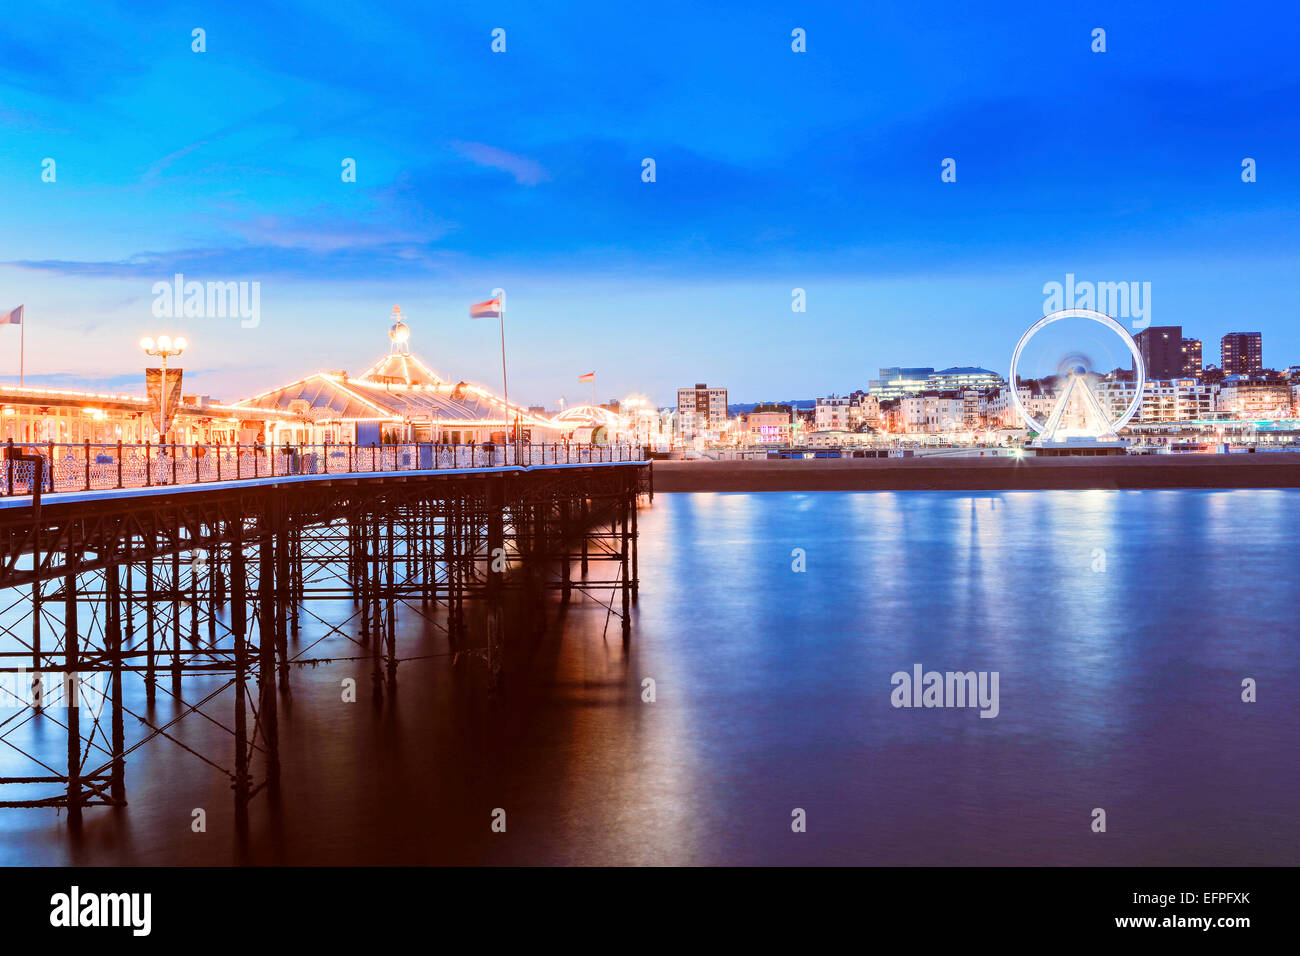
point(1241, 353)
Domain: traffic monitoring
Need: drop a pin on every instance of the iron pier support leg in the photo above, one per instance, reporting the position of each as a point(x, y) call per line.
point(266, 646)
point(412, 519)
point(361, 568)
point(299, 570)
point(176, 620)
point(496, 543)
point(565, 540)
point(211, 583)
point(636, 572)
point(352, 556)
point(456, 549)
point(195, 534)
point(150, 676)
point(451, 567)
point(38, 692)
point(537, 530)
point(585, 519)
point(283, 587)
point(129, 600)
point(468, 542)
point(624, 577)
point(113, 601)
point(377, 607)
point(220, 579)
point(424, 560)
point(72, 692)
point(391, 604)
point(433, 521)
point(239, 629)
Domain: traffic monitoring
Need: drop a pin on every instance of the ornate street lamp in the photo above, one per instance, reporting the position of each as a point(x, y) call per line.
point(163, 347)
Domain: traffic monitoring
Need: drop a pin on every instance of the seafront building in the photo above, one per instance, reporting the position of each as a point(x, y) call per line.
point(701, 413)
point(1167, 354)
point(963, 378)
point(770, 424)
point(1175, 400)
point(1002, 411)
point(1241, 353)
point(869, 410)
point(931, 412)
point(895, 382)
point(835, 413)
point(1241, 396)
point(1161, 348)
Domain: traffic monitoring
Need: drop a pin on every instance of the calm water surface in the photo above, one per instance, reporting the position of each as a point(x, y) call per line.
point(1120, 689)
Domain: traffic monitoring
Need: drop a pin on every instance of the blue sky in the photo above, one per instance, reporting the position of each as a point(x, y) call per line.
point(775, 170)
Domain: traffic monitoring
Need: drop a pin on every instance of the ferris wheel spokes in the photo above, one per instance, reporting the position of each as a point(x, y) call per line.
point(1077, 385)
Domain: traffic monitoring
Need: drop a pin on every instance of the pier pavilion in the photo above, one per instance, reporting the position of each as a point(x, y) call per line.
point(398, 398)
point(36, 416)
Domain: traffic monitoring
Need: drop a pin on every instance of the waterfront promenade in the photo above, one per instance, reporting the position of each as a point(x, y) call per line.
point(1262, 470)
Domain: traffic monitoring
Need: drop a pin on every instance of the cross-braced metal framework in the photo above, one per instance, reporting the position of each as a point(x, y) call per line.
point(167, 585)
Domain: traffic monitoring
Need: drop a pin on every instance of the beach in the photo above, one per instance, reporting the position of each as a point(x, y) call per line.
point(1241, 470)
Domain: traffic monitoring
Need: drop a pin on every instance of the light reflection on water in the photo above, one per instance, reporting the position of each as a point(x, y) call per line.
point(1120, 688)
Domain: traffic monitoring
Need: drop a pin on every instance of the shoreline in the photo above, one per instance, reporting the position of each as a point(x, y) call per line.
point(1241, 470)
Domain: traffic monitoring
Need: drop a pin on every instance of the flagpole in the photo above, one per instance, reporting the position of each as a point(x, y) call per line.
point(505, 389)
point(22, 347)
point(162, 404)
point(593, 389)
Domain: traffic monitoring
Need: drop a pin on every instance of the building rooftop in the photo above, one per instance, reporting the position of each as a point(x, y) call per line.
point(965, 370)
point(398, 387)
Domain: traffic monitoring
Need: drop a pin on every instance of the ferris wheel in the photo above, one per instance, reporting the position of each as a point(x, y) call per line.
point(1091, 420)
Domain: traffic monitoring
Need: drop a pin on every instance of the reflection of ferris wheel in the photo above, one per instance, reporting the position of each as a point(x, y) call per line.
point(1077, 391)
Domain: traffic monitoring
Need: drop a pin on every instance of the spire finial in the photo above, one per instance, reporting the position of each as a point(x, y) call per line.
point(399, 336)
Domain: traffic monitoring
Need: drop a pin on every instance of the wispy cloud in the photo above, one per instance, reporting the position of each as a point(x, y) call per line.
point(526, 172)
point(155, 169)
point(327, 262)
point(320, 233)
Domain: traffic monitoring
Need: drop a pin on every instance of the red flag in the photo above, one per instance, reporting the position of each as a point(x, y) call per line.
point(491, 309)
point(589, 377)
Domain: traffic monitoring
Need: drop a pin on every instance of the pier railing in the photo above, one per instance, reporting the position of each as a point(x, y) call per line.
point(97, 467)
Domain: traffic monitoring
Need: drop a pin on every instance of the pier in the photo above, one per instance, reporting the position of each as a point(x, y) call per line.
point(112, 572)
